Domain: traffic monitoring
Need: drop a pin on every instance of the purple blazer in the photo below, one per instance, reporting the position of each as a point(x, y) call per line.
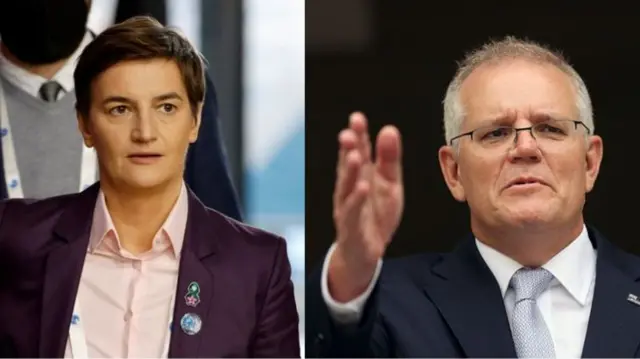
point(249, 311)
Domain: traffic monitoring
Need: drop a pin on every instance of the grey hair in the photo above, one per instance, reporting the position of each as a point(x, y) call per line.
point(510, 48)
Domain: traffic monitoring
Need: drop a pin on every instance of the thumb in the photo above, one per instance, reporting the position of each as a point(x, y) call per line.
point(389, 154)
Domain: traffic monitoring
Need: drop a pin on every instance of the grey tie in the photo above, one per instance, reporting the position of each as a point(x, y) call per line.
point(49, 91)
point(530, 333)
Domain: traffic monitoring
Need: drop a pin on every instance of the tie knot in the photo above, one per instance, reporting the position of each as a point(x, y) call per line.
point(49, 91)
point(529, 283)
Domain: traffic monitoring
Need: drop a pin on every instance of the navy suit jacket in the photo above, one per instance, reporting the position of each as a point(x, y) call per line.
point(206, 172)
point(247, 303)
point(450, 305)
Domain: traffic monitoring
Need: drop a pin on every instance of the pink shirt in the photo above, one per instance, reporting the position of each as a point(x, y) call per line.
point(125, 299)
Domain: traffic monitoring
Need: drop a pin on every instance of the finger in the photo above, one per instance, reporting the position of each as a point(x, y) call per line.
point(358, 123)
point(347, 142)
point(349, 176)
point(353, 205)
point(389, 154)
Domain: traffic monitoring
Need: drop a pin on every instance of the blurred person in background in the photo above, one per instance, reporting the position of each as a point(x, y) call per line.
point(42, 152)
point(136, 265)
point(532, 280)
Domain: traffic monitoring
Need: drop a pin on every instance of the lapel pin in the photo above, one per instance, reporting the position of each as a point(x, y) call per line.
point(633, 299)
point(192, 298)
point(191, 323)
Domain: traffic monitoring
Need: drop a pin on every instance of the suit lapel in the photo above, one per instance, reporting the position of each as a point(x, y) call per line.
point(199, 247)
point(63, 270)
point(469, 298)
point(613, 323)
point(3, 183)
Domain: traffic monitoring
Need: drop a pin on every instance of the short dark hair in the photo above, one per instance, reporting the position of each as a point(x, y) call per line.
point(139, 38)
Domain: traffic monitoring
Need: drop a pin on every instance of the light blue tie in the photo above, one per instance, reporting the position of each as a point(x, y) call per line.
point(530, 333)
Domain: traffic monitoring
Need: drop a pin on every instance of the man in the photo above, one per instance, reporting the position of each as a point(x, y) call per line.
point(42, 153)
point(136, 265)
point(532, 280)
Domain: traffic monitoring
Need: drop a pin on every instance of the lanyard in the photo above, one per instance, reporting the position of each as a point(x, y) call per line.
point(88, 168)
point(78, 339)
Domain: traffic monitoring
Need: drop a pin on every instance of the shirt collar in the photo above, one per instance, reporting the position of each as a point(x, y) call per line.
point(31, 82)
point(174, 226)
point(65, 75)
point(574, 267)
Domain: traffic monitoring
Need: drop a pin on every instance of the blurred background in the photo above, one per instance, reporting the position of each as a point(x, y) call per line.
point(255, 50)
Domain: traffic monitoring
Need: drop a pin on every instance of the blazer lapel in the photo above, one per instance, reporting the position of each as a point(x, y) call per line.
point(469, 298)
point(198, 250)
point(63, 270)
point(615, 313)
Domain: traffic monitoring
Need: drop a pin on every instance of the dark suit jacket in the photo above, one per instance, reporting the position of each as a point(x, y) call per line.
point(206, 172)
point(450, 305)
point(247, 301)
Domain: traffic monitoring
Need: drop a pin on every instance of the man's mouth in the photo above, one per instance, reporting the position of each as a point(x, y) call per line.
point(526, 181)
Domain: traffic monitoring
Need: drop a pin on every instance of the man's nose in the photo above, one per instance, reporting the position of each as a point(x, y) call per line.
point(525, 146)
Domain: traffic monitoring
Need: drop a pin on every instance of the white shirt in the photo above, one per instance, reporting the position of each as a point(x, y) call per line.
point(31, 83)
point(565, 305)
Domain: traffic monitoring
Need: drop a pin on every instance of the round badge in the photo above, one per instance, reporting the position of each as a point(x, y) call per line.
point(191, 323)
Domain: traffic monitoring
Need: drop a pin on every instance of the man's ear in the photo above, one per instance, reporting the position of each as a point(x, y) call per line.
point(450, 172)
point(593, 160)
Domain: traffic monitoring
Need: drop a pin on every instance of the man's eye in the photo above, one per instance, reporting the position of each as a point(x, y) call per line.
point(497, 133)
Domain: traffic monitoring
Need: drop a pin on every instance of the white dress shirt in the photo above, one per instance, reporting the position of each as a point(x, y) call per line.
point(565, 305)
point(31, 83)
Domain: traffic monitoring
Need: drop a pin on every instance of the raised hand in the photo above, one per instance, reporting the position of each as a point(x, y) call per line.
point(368, 203)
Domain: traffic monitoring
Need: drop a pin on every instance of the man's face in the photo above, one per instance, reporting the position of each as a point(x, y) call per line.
point(38, 32)
point(520, 94)
point(140, 123)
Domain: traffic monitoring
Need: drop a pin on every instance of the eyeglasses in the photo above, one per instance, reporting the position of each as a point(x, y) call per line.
point(546, 132)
